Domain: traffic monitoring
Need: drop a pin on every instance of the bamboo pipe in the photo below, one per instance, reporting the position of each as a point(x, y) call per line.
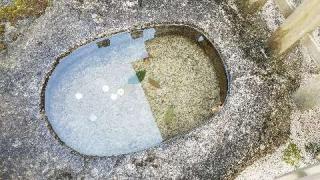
point(303, 20)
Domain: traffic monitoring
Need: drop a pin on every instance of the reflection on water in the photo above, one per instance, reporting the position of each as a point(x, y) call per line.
point(132, 90)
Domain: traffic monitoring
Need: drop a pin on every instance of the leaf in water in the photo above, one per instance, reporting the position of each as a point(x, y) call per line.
point(136, 34)
point(103, 43)
point(141, 74)
point(154, 83)
point(169, 116)
point(137, 78)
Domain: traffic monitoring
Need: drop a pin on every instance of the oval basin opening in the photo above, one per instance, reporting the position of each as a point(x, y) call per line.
point(133, 90)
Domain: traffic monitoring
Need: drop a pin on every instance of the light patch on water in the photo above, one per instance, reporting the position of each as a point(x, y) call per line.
point(78, 96)
point(113, 96)
point(105, 88)
point(120, 92)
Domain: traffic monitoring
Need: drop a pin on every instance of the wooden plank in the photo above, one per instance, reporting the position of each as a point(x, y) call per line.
point(285, 7)
point(308, 41)
point(303, 20)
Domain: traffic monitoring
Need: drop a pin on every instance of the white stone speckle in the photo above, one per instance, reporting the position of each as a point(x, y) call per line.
point(16, 143)
point(95, 172)
point(94, 16)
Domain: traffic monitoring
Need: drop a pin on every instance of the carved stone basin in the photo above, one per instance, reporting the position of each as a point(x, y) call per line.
point(132, 90)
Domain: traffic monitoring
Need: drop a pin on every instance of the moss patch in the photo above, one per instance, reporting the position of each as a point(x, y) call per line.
point(292, 154)
point(17, 10)
point(20, 9)
point(2, 31)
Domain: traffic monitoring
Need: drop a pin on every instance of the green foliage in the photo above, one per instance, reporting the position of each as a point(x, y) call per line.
point(20, 9)
point(2, 31)
point(292, 154)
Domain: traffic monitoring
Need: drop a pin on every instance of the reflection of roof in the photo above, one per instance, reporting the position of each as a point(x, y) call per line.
point(90, 104)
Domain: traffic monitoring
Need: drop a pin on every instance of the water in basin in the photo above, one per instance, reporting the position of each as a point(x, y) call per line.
point(132, 90)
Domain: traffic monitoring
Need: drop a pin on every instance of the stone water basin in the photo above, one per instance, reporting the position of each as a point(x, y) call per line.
point(134, 89)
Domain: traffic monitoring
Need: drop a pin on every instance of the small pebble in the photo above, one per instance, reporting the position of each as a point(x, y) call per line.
point(200, 39)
